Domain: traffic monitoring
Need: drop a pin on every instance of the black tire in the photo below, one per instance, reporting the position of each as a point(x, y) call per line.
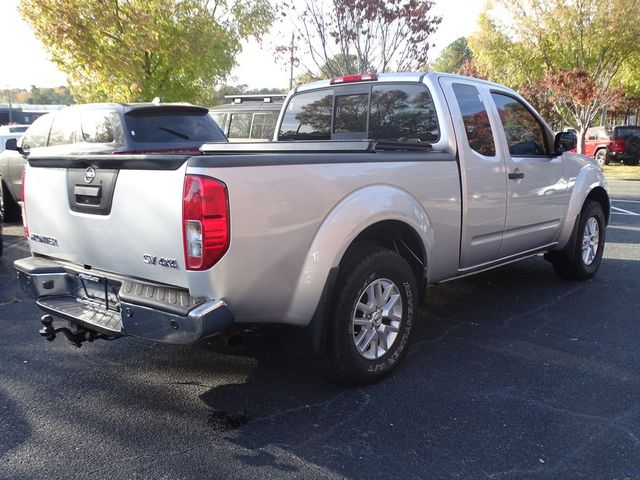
point(631, 161)
point(632, 146)
point(1, 202)
point(569, 263)
point(366, 268)
point(601, 157)
point(9, 208)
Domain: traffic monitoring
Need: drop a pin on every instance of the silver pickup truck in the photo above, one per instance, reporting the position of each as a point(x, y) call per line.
point(376, 187)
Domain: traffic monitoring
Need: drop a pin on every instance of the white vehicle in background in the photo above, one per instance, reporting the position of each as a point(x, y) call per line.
point(249, 118)
point(11, 131)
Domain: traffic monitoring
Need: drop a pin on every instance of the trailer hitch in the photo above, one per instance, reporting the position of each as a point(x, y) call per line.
point(76, 338)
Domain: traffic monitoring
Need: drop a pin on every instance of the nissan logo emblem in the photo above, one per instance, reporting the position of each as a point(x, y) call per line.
point(89, 174)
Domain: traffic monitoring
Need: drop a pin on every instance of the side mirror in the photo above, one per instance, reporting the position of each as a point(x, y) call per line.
point(564, 142)
point(11, 144)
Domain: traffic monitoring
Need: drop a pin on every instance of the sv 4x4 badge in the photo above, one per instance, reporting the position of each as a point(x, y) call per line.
point(162, 261)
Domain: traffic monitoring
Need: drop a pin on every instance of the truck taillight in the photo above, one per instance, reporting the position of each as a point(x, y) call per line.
point(205, 221)
point(24, 204)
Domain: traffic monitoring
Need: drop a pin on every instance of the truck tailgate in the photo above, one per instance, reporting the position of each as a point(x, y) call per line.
point(136, 233)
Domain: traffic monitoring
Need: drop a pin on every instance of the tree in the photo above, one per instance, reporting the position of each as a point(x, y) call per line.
point(549, 45)
point(339, 37)
point(50, 96)
point(338, 63)
point(135, 50)
point(454, 57)
point(39, 96)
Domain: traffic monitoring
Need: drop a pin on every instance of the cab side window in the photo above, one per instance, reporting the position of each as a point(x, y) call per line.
point(38, 133)
point(221, 119)
point(475, 119)
point(101, 127)
point(240, 125)
point(263, 125)
point(64, 130)
point(524, 132)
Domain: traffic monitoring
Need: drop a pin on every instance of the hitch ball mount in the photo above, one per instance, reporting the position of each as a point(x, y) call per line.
point(76, 338)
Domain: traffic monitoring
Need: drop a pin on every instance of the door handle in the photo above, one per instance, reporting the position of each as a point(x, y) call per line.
point(516, 175)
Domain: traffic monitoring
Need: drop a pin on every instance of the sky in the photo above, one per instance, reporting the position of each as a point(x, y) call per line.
point(25, 61)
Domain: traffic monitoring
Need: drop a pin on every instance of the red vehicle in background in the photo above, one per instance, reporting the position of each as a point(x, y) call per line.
point(620, 144)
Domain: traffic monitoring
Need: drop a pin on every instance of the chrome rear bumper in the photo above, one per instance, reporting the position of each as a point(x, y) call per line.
point(146, 310)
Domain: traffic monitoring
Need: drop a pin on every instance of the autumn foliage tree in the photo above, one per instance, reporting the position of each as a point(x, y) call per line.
point(577, 96)
point(135, 50)
point(572, 52)
point(338, 37)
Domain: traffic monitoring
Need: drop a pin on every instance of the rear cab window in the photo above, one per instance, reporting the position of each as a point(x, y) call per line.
point(183, 125)
point(393, 112)
point(308, 116)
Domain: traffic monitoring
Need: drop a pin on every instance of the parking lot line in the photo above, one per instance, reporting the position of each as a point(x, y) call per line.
point(622, 211)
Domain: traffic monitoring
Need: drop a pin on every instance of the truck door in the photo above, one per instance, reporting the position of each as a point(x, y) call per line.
point(482, 170)
point(536, 189)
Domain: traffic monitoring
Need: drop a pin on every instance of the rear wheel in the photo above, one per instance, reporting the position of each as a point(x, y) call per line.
point(9, 208)
point(601, 157)
point(581, 258)
point(372, 317)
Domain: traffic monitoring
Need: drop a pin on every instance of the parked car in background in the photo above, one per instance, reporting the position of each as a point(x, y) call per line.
point(11, 131)
point(621, 143)
point(625, 145)
point(249, 118)
point(105, 128)
point(596, 144)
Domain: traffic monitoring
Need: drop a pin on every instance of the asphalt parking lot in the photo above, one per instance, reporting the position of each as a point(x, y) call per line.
point(512, 374)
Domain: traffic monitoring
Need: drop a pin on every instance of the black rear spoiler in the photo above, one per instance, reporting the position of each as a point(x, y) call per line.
point(118, 162)
point(163, 109)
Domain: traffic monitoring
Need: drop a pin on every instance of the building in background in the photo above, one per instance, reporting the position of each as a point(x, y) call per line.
point(24, 113)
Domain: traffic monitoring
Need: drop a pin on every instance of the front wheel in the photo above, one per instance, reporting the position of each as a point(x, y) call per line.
point(601, 157)
point(372, 317)
point(582, 256)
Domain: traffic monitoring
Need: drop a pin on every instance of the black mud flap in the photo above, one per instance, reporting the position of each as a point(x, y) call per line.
point(310, 341)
